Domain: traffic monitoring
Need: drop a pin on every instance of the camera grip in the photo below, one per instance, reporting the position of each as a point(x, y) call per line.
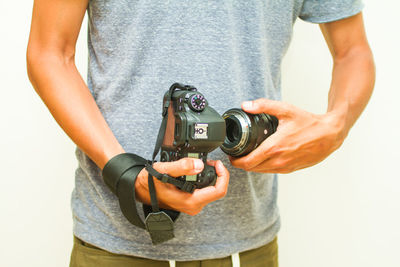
point(207, 177)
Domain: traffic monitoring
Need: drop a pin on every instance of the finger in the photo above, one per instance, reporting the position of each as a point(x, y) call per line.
point(262, 105)
point(171, 197)
point(166, 193)
point(211, 162)
point(220, 169)
point(193, 203)
point(211, 193)
point(265, 151)
point(184, 166)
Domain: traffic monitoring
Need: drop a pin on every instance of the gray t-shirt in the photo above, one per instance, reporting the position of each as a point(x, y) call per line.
point(231, 51)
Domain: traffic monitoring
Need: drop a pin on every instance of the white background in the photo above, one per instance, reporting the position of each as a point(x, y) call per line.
point(343, 212)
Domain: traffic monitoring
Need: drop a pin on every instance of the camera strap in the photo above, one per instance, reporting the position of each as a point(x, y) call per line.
point(165, 178)
point(120, 174)
point(159, 222)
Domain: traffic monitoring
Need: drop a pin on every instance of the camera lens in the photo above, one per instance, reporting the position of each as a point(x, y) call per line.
point(232, 130)
point(245, 131)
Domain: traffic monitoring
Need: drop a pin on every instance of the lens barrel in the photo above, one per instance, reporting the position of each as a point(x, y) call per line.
point(245, 131)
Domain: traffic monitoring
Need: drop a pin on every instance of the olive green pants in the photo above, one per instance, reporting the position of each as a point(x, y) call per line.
point(86, 255)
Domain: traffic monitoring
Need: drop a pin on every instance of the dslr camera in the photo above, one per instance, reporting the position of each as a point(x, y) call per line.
point(194, 129)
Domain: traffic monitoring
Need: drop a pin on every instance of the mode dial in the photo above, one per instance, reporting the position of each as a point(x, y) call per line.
point(197, 102)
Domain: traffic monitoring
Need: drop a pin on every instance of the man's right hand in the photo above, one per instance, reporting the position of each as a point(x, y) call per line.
point(170, 197)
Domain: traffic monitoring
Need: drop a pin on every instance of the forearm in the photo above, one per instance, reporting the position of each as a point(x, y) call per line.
point(59, 84)
point(303, 139)
point(353, 79)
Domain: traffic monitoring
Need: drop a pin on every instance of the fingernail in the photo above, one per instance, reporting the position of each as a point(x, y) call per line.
point(198, 165)
point(247, 104)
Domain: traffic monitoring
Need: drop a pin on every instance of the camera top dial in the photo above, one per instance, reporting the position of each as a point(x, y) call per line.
point(197, 102)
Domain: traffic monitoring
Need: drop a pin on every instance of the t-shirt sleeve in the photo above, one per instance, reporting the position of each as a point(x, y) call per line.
point(321, 11)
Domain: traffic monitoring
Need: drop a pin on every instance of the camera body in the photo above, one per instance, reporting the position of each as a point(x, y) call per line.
point(193, 130)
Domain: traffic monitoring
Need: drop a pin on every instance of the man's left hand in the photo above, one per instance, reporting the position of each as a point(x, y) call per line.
point(302, 139)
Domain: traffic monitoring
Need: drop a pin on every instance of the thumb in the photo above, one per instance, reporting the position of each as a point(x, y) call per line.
point(184, 166)
point(263, 105)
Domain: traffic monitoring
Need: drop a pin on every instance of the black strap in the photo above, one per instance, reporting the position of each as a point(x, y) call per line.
point(158, 223)
point(127, 197)
point(160, 135)
point(117, 165)
point(165, 178)
point(153, 194)
point(120, 174)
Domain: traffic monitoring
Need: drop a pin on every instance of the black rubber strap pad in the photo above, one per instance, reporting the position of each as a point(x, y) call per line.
point(117, 165)
point(171, 213)
point(160, 226)
point(126, 196)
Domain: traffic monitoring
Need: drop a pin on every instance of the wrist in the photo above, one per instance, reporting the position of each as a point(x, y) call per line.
point(109, 153)
point(336, 119)
point(142, 187)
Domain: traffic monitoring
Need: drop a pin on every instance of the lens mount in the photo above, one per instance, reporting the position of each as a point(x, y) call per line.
point(238, 125)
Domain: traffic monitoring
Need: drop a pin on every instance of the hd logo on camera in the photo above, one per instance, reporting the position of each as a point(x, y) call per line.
point(201, 131)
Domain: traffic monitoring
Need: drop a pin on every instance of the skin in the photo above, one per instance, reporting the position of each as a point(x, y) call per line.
point(303, 139)
point(52, 72)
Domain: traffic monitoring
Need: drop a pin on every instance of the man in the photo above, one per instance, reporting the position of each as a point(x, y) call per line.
point(231, 51)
